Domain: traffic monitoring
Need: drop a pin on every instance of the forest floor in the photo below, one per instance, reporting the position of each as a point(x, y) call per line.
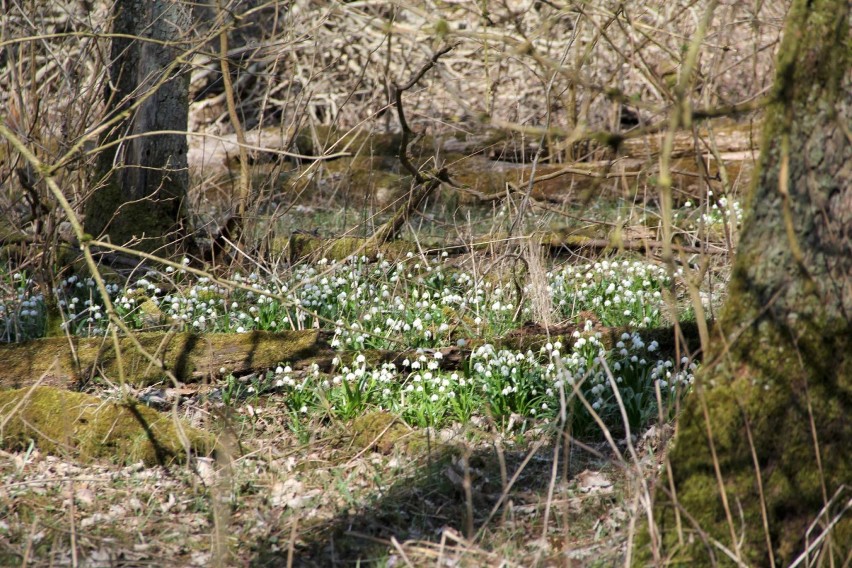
point(328, 500)
point(497, 441)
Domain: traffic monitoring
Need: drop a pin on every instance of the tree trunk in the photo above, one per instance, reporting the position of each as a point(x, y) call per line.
point(144, 177)
point(770, 419)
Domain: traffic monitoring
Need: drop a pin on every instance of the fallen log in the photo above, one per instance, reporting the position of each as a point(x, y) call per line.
point(558, 241)
point(673, 342)
point(69, 362)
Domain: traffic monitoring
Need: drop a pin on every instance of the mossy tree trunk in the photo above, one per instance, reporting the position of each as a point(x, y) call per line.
point(144, 178)
point(770, 419)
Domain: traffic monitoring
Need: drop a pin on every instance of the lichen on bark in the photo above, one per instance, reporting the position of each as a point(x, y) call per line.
point(779, 370)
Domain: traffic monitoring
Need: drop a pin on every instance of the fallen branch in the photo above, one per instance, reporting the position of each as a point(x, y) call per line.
point(557, 242)
point(423, 185)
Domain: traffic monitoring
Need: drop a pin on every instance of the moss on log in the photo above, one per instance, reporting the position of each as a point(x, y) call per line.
point(64, 422)
point(673, 341)
point(66, 362)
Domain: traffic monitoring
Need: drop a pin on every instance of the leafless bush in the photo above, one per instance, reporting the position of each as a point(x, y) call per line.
point(307, 63)
point(335, 60)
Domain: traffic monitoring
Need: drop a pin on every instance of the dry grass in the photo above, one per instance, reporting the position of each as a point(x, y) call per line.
point(317, 496)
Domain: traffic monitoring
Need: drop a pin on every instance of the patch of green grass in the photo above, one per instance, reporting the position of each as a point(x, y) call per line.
point(415, 303)
point(514, 390)
point(618, 293)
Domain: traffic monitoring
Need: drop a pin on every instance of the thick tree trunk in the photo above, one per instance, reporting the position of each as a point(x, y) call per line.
point(145, 177)
point(770, 420)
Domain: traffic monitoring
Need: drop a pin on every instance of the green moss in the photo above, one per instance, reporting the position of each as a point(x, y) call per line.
point(318, 139)
point(62, 422)
point(379, 428)
point(765, 387)
point(387, 433)
point(148, 223)
point(151, 313)
point(62, 362)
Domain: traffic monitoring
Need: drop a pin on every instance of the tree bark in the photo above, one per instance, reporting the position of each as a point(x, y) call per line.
point(144, 177)
point(770, 418)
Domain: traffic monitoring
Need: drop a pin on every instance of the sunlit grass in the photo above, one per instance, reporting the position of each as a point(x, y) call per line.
point(410, 304)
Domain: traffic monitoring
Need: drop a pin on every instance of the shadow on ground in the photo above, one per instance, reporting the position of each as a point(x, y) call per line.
point(431, 501)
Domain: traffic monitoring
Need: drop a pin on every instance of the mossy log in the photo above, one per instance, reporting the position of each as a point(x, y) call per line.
point(730, 137)
point(673, 341)
point(88, 428)
point(479, 180)
point(68, 362)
